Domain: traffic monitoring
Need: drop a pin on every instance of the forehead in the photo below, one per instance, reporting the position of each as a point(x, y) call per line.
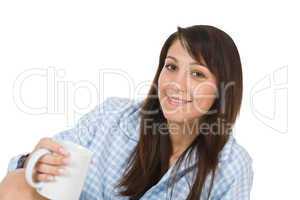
point(181, 55)
point(178, 51)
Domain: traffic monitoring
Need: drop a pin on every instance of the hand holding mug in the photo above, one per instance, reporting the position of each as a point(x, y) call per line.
point(46, 161)
point(50, 165)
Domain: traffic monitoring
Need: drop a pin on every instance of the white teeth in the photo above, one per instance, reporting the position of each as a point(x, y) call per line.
point(177, 100)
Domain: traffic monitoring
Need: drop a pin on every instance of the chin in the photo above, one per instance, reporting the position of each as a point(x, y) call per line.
point(175, 118)
point(179, 116)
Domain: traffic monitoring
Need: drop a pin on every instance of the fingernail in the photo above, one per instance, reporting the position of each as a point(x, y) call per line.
point(66, 161)
point(63, 151)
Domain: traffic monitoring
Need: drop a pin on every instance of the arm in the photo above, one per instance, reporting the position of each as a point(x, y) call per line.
point(83, 132)
point(241, 185)
point(14, 186)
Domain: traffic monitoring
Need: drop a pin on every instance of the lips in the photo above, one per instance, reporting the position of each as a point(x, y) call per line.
point(177, 101)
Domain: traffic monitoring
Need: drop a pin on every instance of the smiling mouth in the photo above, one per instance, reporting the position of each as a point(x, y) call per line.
point(177, 101)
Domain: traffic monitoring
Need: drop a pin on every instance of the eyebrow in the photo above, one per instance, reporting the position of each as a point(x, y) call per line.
point(192, 63)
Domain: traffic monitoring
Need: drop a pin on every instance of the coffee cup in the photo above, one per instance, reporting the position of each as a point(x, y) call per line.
point(67, 186)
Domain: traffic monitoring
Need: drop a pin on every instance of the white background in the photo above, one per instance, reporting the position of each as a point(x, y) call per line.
point(76, 39)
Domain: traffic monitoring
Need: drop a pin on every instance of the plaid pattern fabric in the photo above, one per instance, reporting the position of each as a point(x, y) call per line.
point(111, 131)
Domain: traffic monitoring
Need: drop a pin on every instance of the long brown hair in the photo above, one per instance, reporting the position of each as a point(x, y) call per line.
point(149, 160)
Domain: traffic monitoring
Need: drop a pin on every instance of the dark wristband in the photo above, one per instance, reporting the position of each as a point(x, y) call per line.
point(22, 160)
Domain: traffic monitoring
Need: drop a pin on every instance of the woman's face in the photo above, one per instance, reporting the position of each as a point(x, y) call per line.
point(186, 88)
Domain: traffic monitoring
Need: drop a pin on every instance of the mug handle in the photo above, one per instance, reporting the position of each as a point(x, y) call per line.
point(34, 157)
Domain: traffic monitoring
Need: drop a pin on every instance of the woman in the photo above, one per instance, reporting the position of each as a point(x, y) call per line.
point(175, 144)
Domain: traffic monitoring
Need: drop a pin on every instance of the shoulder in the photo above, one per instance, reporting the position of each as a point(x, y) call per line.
point(121, 104)
point(235, 160)
point(234, 175)
point(119, 112)
point(118, 104)
point(123, 108)
point(112, 108)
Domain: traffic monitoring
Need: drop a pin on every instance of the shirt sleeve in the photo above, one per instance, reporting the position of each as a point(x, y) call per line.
point(12, 165)
point(84, 130)
point(241, 186)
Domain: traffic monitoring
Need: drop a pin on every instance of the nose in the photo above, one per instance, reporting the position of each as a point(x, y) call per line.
point(181, 81)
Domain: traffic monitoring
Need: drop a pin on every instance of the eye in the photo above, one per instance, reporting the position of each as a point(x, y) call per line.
point(170, 67)
point(198, 74)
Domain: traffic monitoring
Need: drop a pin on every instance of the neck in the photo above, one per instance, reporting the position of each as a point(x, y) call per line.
point(182, 134)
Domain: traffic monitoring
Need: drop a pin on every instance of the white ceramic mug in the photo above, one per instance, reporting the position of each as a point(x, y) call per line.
point(67, 186)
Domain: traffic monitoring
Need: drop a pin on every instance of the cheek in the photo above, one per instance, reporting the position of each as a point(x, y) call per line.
point(163, 79)
point(160, 84)
point(160, 80)
point(204, 97)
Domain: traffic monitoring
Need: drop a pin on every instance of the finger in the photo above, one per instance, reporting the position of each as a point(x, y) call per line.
point(43, 177)
point(55, 159)
point(49, 169)
point(53, 146)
